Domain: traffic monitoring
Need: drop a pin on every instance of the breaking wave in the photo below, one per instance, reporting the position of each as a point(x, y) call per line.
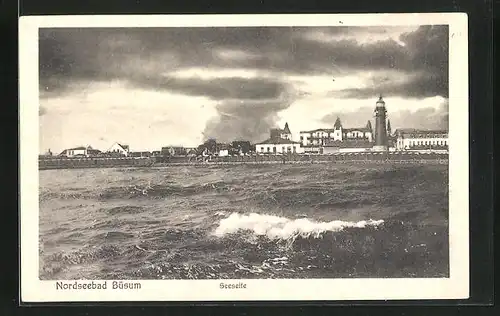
point(276, 227)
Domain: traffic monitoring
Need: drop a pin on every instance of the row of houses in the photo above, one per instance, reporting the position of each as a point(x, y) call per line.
point(118, 150)
point(357, 139)
point(322, 141)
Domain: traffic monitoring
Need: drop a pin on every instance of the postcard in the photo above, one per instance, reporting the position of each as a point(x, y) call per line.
point(312, 157)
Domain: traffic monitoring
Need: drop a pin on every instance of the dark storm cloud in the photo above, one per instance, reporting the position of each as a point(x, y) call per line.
point(102, 54)
point(249, 120)
point(425, 52)
point(422, 85)
point(217, 89)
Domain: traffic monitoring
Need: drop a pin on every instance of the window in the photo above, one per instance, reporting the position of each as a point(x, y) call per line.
point(274, 149)
point(294, 149)
point(268, 149)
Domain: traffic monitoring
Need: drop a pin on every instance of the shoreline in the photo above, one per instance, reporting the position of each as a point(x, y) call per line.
point(150, 163)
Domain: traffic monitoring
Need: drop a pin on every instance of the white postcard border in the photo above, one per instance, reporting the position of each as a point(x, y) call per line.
point(454, 287)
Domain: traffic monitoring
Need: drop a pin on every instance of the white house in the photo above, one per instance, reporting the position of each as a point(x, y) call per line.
point(119, 149)
point(320, 137)
point(279, 142)
point(80, 152)
point(413, 139)
point(278, 146)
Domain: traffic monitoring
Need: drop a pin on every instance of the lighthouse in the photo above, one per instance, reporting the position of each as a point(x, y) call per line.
point(380, 126)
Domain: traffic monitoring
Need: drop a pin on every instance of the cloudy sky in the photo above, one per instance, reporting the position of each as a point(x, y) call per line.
point(152, 87)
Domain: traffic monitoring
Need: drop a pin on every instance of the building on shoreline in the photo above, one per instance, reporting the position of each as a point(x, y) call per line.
point(81, 151)
point(278, 146)
point(342, 139)
point(421, 140)
point(118, 149)
point(223, 150)
point(279, 142)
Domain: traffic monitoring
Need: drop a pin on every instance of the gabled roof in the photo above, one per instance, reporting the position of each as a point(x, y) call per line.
point(329, 130)
point(124, 147)
point(286, 130)
point(419, 131)
point(360, 129)
point(277, 141)
point(77, 148)
point(337, 124)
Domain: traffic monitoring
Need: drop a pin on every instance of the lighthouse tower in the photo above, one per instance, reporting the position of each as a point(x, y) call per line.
point(380, 126)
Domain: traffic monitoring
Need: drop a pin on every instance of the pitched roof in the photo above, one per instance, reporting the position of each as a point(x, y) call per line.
point(415, 131)
point(350, 144)
point(360, 129)
point(286, 129)
point(123, 146)
point(337, 124)
point(277, 141)
point(319, 130)
point(77, 148)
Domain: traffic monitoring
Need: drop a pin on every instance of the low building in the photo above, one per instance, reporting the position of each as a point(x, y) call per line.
point(279, 142)
point(278, 146)
point(118, 149)
point(415, 139)
point(81, 151)
point(223, 149)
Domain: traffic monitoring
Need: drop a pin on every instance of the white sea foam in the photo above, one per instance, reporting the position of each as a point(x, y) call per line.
point(275, 227)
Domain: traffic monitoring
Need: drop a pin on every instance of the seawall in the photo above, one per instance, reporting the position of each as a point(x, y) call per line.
point(76, 163)
point(342, 158)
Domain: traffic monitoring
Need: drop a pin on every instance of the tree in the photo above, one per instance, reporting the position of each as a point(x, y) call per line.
point(242, 146)
point(210, 145)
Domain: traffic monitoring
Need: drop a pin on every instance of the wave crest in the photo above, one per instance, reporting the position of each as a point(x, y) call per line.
point(276, 227)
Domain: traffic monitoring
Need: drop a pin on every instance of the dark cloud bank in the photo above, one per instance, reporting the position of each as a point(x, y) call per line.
point(247, 107)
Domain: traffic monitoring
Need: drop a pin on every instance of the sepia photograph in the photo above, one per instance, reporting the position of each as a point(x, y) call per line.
point(239, 153)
